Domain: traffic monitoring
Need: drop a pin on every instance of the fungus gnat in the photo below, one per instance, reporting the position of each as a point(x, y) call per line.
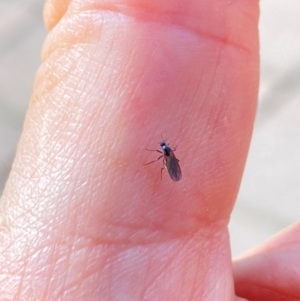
point(170, 162)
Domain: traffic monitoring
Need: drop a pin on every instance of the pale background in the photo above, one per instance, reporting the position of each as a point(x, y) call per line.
point(269, 198)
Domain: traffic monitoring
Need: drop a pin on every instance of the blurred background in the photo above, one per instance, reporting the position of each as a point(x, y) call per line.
point(269, 198)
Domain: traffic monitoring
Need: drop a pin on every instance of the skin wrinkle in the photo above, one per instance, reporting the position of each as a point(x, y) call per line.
point(52, 258)
point(16, 272)
point(39, 83)
point(72, 237)
point(194, 288)
point(28, 178)
point(153, 14)
point(22, 276)
point(88, 14)
point(20, 230)
point(159, 274)
point(207, 96)
point(54, 10)
point(139, 242)
point(65, 71)
point(152, 230)
point(72, 30)
point(68, 285)
point(169, 263)
point(269, 290)
point(28, 255)
point(149, 281)
point(186, 279)
point(186, 214)
point(61, 257)
point(55, 140)
point(41, 189)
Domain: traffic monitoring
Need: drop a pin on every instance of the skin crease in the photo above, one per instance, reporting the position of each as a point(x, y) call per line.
point(81, 217)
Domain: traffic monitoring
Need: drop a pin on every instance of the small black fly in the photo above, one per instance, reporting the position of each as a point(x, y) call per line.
point(170, 162)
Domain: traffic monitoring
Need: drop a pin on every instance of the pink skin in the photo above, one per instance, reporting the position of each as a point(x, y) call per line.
point(271, 272)
point(81, 217)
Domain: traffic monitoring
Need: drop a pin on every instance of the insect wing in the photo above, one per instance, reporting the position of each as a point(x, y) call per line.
point(173, 167)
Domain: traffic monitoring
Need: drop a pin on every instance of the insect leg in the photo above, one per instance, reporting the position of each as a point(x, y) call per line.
point(153, 150)
point(154, 160)
point(164, 166)
point(161, 171)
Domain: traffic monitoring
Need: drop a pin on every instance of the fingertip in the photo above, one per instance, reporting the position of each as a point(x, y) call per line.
point(53, 12)
point(270, 271)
